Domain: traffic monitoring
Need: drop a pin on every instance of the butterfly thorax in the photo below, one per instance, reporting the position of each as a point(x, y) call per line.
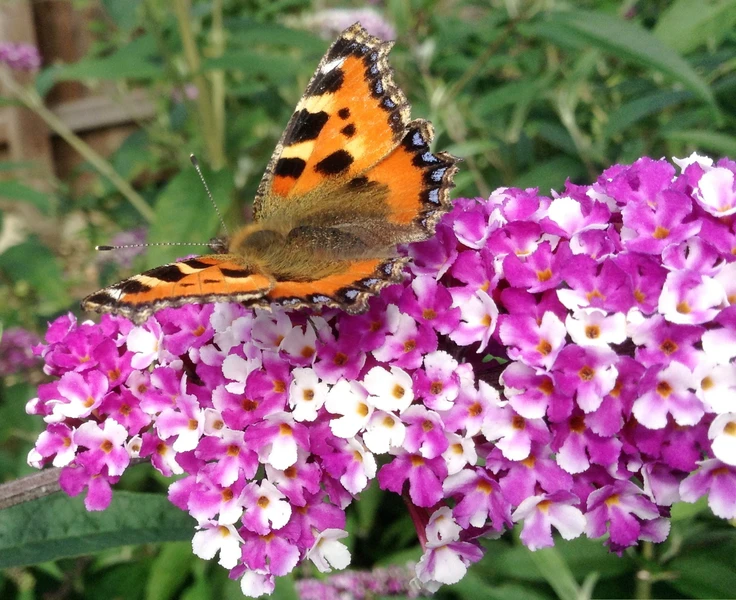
point(297, 253)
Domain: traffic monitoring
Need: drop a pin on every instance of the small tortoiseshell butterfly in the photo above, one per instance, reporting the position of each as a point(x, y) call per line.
point(351, 177)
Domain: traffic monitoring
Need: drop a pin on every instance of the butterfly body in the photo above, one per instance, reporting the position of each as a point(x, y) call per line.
point(351, 178)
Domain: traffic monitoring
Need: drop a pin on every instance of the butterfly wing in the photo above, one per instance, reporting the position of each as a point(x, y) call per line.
point(350, 179)
point(407, 192)
point(213, 278)
point(348, 287)
point(350, 117)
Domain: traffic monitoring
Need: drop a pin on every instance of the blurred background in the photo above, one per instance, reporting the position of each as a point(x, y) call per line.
point(101, 103)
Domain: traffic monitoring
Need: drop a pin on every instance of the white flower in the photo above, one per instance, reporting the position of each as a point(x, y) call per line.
point(723, 433)
point(282, 452)
point(389, 391)
point(133, 446)
point(145, 345)
point(300, 343)
point(236, 368)
point(459, 453)
point(271, 507)
point(270, 329)
point(715, 385)
point(256, 583)
point(348, 399)
point(327, 553)
point(307, 394)
point(384, 431)
point(214, 538)
point(684, 163)
point(593, 327)
point(715, 192)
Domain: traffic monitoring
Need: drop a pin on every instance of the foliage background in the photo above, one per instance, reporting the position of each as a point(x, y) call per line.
point(529, 93)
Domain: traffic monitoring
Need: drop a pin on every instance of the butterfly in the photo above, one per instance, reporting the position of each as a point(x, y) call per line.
point(351, 178)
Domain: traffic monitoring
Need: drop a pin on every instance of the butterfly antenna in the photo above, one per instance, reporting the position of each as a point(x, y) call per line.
point(125, 246)
point(195, 162)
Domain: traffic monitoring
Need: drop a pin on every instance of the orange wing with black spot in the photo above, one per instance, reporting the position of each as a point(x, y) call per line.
point(215, 278)
point(350, 117)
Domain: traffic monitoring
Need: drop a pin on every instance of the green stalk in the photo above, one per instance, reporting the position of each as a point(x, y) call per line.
point(644, 579)
point(215, 154)
point(217, 77)
point(31, 100)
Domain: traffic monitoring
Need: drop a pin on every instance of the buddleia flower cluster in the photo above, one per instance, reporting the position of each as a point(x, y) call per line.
point(564, 362)
point(20, 57)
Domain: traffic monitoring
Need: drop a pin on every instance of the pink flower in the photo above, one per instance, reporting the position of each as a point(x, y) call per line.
point(544, 358)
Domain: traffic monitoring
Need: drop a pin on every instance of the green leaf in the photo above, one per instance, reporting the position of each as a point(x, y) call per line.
point(551, 174)
point(285, 588)
point(126, 580)
point(582, 557)
point(705, 141)
point(169, 570)
point(15, 190)
point(684, 25)
point(122, 13)
point(57, 527)
point(46, 79)
point(557, 574)
point(135, 60)
point(626, 115)
point(682, 511)
point(134, 155)
point(17, 165)
point(472, 586)
point(13, 416)
point(35, 264)
point(248, 33)
point(367, 508)
point(201, 589)
point(628, 41)
point(506, 95)
point(705, 576)
point(276, 67)
point(184, 214)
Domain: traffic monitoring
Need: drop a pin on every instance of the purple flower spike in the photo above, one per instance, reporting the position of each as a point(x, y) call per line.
point(563, 362)
point(20, 57)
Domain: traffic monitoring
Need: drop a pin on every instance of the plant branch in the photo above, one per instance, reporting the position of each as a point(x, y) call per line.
point(30, 487)
point(215, 155)
point(217, 76)
point(37, 485)
point(31, 100)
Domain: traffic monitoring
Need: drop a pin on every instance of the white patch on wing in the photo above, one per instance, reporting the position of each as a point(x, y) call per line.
point(333, 64)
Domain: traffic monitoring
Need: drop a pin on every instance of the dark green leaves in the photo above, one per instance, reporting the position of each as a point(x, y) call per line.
point(626, 41)
point(57, 527)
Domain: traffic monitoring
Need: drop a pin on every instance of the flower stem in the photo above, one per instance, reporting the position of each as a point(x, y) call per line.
point(31, 100)
point(419, 517)
point(217, 77)
point(215, 154)
point(644, 576)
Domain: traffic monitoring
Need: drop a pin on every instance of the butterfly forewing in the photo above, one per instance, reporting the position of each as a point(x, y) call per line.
point(351, 116)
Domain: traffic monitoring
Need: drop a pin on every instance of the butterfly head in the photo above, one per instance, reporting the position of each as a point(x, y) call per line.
point(219, 245)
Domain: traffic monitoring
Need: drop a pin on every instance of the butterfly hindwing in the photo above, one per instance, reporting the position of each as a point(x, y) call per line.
point(350, 117)
point(220, 277)
point(348, 288)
